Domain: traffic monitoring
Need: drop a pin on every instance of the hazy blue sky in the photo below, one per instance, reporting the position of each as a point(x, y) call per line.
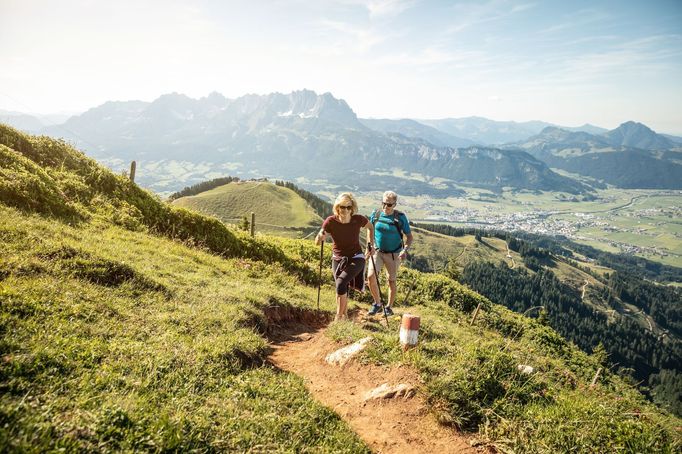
point(567, 62)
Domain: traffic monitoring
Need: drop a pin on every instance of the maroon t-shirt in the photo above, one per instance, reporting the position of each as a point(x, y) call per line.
point(346, 236)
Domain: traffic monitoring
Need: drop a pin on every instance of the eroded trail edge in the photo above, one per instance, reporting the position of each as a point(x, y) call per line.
point(396, 425)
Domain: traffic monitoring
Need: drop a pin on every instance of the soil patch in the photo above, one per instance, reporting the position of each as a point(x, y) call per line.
point(398, 425)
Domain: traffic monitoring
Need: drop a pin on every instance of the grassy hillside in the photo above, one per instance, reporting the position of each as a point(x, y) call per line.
point(637, 322)
point(118, 340)
point(273, 205)
point(435, 251)
point(128, 324)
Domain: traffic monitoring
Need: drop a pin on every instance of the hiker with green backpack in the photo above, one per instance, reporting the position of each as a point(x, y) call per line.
point(389, 226)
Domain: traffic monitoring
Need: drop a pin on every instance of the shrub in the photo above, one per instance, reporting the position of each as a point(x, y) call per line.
point(436, 287)
point(26, 186)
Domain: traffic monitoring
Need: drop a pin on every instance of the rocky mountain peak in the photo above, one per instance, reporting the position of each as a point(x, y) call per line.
point(308, 104)
point(633, 134)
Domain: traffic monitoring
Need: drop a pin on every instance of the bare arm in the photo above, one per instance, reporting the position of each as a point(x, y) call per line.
point(321, 236)
point(370, 233)
point(408, 242)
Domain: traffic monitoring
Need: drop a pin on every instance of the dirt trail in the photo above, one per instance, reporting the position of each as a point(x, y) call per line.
point(387, 426)
point(582, 297)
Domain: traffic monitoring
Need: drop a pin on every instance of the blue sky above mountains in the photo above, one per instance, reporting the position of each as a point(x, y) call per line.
point(602, 62)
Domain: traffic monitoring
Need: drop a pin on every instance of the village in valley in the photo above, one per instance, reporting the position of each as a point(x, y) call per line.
point(648, 225)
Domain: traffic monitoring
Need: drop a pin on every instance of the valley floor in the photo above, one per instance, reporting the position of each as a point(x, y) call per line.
point(630, 221)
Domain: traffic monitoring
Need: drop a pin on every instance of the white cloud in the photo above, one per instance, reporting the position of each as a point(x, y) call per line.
point(468, 15)
point(357, 39)
point(378, 8)
point(386, 58)
point(381, 8)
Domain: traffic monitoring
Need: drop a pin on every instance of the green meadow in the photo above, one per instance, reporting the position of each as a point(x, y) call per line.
point(278, 209)
point(132, 325)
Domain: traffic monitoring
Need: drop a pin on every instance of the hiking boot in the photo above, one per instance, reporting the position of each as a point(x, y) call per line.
point(374, 309)
point(388, 310)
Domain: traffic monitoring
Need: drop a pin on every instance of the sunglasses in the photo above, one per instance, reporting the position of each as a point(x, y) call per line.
point(342, 207)
point(386, 204)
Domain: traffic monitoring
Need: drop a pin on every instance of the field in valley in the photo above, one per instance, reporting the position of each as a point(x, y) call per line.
point(646, 223)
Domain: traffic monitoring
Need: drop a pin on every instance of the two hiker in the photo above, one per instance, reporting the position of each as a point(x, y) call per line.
point(385, 230)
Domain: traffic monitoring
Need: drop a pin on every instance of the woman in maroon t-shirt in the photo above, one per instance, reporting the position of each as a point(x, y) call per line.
point(348, 261)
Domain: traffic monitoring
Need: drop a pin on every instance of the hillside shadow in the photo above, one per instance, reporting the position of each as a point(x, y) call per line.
point(287, 324)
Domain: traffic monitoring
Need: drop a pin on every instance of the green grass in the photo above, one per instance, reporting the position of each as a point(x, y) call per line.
point(437, 250)
point(471, 381)
point(128, 325)
point(273, 205)
point(117, 340)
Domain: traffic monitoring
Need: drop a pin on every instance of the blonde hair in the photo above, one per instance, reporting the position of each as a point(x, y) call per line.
point(345, 197)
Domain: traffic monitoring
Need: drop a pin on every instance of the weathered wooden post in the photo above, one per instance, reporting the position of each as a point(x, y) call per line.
point(596, 377)
point(473, 319)
point(253, 223)
point(132, 171)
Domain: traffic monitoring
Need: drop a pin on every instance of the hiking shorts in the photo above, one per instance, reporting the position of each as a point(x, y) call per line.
point(389, 260)
point(348, 273)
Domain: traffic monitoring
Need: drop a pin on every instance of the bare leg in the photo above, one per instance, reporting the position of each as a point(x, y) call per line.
point(392, 285)
point(373, 288)
point(341, 307)
point(392, 291)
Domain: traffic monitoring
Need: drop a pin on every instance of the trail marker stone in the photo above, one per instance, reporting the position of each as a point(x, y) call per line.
point(409, 331)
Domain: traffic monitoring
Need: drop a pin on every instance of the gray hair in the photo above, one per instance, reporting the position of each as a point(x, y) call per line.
point(390, 195)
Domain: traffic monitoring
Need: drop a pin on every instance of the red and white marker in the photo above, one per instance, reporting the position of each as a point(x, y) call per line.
point(409, 330)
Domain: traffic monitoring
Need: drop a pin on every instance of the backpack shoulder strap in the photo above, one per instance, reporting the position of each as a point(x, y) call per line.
point(372, 217)
point(396, 217)
point(398, 223)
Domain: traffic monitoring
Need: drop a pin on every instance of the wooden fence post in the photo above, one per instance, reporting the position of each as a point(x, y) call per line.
point(253, 223)
point(132, 171)
point(594, 380)
point(473, 319)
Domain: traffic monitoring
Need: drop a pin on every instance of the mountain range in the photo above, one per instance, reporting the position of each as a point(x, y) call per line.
point(317, 138)
point(31, 122)
point(302, 135)
point(630, 156)
point(490, 132)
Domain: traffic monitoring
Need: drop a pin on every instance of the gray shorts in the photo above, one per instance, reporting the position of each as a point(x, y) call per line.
point(389, 260)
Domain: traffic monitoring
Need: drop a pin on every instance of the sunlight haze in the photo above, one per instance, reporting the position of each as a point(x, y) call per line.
point(570, 63)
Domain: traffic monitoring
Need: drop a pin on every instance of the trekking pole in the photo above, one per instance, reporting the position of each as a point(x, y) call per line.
point(319, 281)
point(408, 294)
point(376, 276)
